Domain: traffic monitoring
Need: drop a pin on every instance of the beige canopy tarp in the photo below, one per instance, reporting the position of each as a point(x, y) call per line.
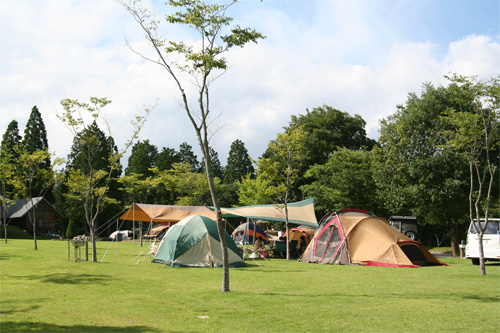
point(301, 212)
point(164, 213)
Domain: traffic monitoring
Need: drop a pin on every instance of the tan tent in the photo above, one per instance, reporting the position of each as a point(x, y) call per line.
point(354, 237)
point(164, 213)
point(301, 230)
point(301, 212)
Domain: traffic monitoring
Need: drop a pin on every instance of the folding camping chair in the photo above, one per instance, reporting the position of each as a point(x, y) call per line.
point(153, 248)
point(279, 249)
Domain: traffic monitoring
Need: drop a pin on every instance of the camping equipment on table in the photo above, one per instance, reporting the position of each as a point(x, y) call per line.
point(354, 237)
point(194, 242)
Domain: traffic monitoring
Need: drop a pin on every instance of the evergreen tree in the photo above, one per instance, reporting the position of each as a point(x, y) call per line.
point(35, 139)
point(11, 141)
point(239, 163)
point(217, 169)
point(187, 156)
point(35, 136)
point(166, 159)
point(92, 142)
point(9, 154)
point(142, 159)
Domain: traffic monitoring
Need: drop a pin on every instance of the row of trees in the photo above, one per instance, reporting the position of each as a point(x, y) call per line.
point(437, 147)
point(413, 169)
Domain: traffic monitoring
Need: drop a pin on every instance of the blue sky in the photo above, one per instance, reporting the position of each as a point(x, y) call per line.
point(362, 57)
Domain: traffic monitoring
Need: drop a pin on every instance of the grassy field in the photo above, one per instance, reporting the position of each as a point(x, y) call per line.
point(43, 291)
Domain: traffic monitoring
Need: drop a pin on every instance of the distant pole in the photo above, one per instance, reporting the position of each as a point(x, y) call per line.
point(133, 228)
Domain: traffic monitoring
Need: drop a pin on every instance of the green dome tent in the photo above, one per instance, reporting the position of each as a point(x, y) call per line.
point(194, 242)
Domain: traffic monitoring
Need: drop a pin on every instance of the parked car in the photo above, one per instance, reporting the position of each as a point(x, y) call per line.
point(491, 241)
point(407, 225)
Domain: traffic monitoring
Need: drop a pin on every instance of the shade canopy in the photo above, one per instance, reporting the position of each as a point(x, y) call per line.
point(164, 213)
point(301, 212)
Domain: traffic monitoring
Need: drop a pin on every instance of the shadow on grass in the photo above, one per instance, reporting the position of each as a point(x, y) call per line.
point(62, 278)
point(23, 310)
point(458, 296)
point(11, 326)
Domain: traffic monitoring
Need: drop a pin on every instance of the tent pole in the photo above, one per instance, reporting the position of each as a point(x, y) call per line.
point(116, 249)
point(140, 232)
point(149, 233)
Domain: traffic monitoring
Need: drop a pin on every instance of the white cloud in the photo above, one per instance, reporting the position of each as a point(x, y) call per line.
point(475, 55)
point(351, 56)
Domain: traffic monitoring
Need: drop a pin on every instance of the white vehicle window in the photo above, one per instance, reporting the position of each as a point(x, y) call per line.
point(491, 229)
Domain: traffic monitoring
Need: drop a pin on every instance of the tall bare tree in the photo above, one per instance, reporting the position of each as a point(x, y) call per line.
point(475, 134)
point(203, 61)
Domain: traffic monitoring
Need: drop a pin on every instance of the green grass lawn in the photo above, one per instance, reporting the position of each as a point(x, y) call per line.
point(43, 291)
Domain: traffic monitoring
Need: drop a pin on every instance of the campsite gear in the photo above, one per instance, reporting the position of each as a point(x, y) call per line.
point(245, 232)
point(120, 235)
point(164, 213)
point(194, 241)
point(301, 212)
point(157, 231)
point(355, 237)
point(279, 249)
point(77, 245)
point(302, 230)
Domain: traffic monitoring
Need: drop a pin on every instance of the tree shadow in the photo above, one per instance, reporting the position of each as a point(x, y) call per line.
point(11, 326)
point(62, 278)
point(20, 310)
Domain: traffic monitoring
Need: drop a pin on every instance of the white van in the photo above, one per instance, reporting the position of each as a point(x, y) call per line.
point(491, 242)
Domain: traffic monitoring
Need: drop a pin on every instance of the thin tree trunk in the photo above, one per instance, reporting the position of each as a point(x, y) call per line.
point(92, 237)
point(220, 224)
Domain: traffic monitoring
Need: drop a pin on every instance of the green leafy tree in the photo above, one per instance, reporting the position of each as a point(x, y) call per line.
point(191, 188)
point(91, 150)
point(90, 181)
point(474, 133)
point(138, 188)
point(239, 164)
point(7, 172)
point(415, 174)
point(33, 180)
point(9, 155)
point(203, 61)
point(344, 181)
point(327, 129)
point(255, 190)
point(284, 169)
